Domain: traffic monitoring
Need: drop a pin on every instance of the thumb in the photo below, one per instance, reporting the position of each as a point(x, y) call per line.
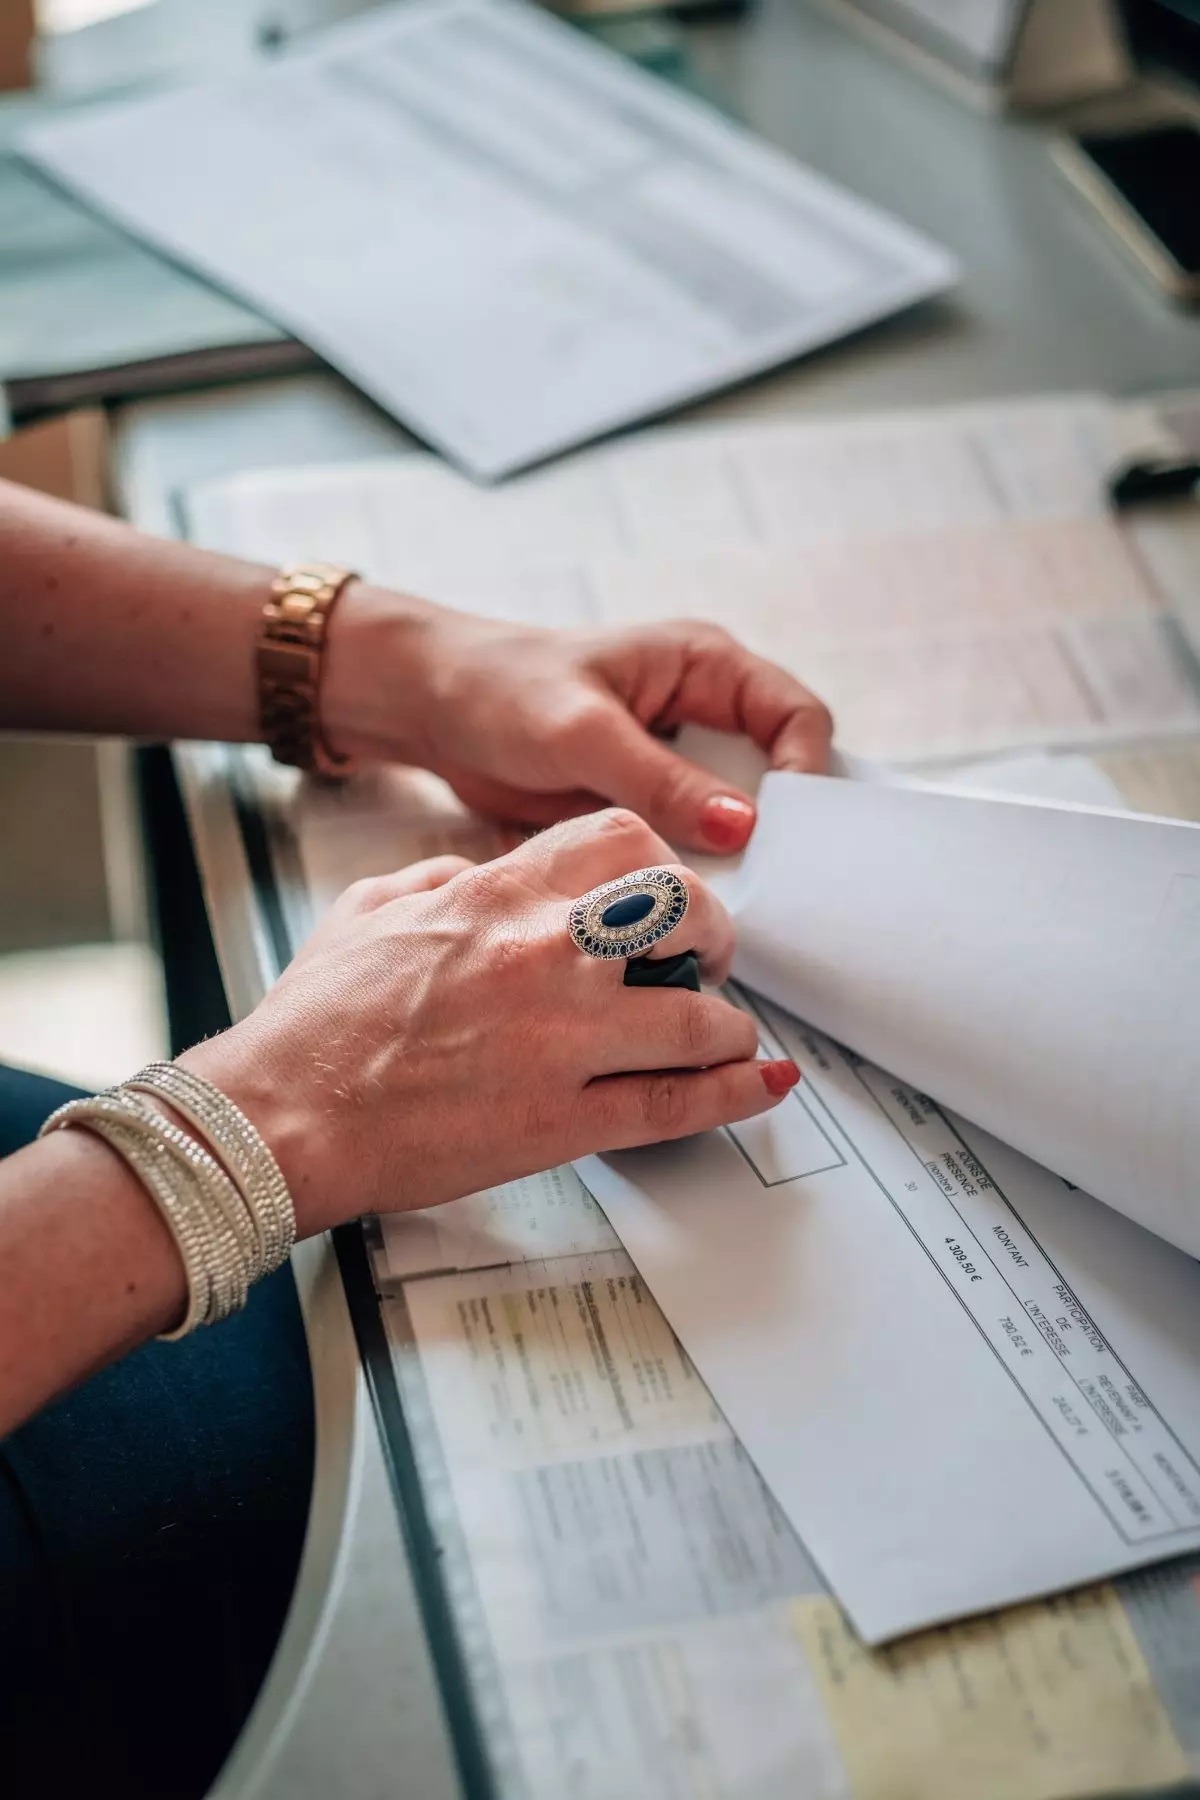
point(680, 800)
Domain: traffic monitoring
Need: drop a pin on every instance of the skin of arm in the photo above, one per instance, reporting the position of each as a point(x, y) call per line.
point(113, 633)
point(89, 1268)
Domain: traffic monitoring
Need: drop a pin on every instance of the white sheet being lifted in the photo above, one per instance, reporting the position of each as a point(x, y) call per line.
point(967, 1381)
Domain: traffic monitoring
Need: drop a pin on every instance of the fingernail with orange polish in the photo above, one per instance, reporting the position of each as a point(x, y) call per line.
point(779, 1078)
point(726, 821)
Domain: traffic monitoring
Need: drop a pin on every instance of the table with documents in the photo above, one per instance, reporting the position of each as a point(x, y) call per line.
point(620, 1595)
point(540, 1562)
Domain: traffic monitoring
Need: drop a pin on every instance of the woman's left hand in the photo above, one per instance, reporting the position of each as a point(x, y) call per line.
point(440, 1032)
point(533, 726)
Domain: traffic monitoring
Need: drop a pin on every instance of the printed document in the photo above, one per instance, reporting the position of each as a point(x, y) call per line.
point(948, 580)
point(635, 1609)
point(511, 238)
point(965, 1380)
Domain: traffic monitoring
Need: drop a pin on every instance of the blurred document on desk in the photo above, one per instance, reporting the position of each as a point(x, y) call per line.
point(87, 314)
point(948, 580)
point(636, 1609)
point(511, 238)
point(539, 1217)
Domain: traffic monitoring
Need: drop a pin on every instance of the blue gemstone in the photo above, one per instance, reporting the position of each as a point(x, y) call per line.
point(627, 910)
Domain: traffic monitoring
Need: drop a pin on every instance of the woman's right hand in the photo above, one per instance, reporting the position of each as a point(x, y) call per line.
point(440, 1032)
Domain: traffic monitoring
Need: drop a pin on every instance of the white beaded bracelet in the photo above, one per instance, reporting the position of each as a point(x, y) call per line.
point(185, 1182)
point(230, 1214)
point(231, 1137)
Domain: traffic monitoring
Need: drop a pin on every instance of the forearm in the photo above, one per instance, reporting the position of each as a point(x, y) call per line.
point(88, 1269)
point(106, 631)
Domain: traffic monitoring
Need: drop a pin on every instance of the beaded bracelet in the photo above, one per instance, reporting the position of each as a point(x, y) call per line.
point(240, 1147)
point(224, 1201)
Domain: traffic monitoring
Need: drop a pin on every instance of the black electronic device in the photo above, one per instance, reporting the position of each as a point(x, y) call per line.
point(1146, 183)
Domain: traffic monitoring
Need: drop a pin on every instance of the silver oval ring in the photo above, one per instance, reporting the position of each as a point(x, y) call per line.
point(628, 916)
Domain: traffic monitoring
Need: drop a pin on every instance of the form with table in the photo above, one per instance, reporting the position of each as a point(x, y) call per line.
point(555, 1570)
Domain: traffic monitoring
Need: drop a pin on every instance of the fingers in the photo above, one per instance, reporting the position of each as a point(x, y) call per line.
point(580, 853)
point(423, 877)
point(714, 681)
point(729, 688)
point(670, 1028)
point(375, 891)
point(620, 1111)
point(804, 740)
point(570, 859)
point(706, 928)
point(519, 806)
point(676, 797)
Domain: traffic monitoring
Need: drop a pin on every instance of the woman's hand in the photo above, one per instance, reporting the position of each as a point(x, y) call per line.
point(534, 726)
point(106, 631)
point(440, 1033)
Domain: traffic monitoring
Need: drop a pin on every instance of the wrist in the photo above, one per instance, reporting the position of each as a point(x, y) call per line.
point(376, 684)
point(239, 1064)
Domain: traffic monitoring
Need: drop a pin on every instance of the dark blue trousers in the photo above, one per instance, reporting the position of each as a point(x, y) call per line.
point(150, 1529)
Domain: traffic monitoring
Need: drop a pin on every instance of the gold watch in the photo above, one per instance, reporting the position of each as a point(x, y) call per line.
point(288, 658)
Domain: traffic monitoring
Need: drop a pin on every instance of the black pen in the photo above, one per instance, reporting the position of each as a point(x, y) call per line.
point(1151, 480)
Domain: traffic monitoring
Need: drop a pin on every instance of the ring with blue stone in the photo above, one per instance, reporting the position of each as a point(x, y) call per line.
point(629, 916)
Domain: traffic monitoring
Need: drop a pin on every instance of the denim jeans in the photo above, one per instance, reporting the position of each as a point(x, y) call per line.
point(151, 1523)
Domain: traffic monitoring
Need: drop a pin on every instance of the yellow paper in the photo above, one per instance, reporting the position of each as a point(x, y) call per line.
point(1038, 1703)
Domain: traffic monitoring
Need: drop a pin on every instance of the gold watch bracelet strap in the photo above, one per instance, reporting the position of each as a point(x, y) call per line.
point(288, 661)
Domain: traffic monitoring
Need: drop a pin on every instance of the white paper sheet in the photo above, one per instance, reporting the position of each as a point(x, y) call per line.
point(965, 1383)
point(1035, 967)
point(509, 237)
point(948, 581)
point(1072, 779)
point(965, 1380)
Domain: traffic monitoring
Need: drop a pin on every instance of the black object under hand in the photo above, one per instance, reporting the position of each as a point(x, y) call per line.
point(682, 971)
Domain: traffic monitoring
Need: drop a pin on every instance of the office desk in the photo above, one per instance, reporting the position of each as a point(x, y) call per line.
point(352, 1705)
